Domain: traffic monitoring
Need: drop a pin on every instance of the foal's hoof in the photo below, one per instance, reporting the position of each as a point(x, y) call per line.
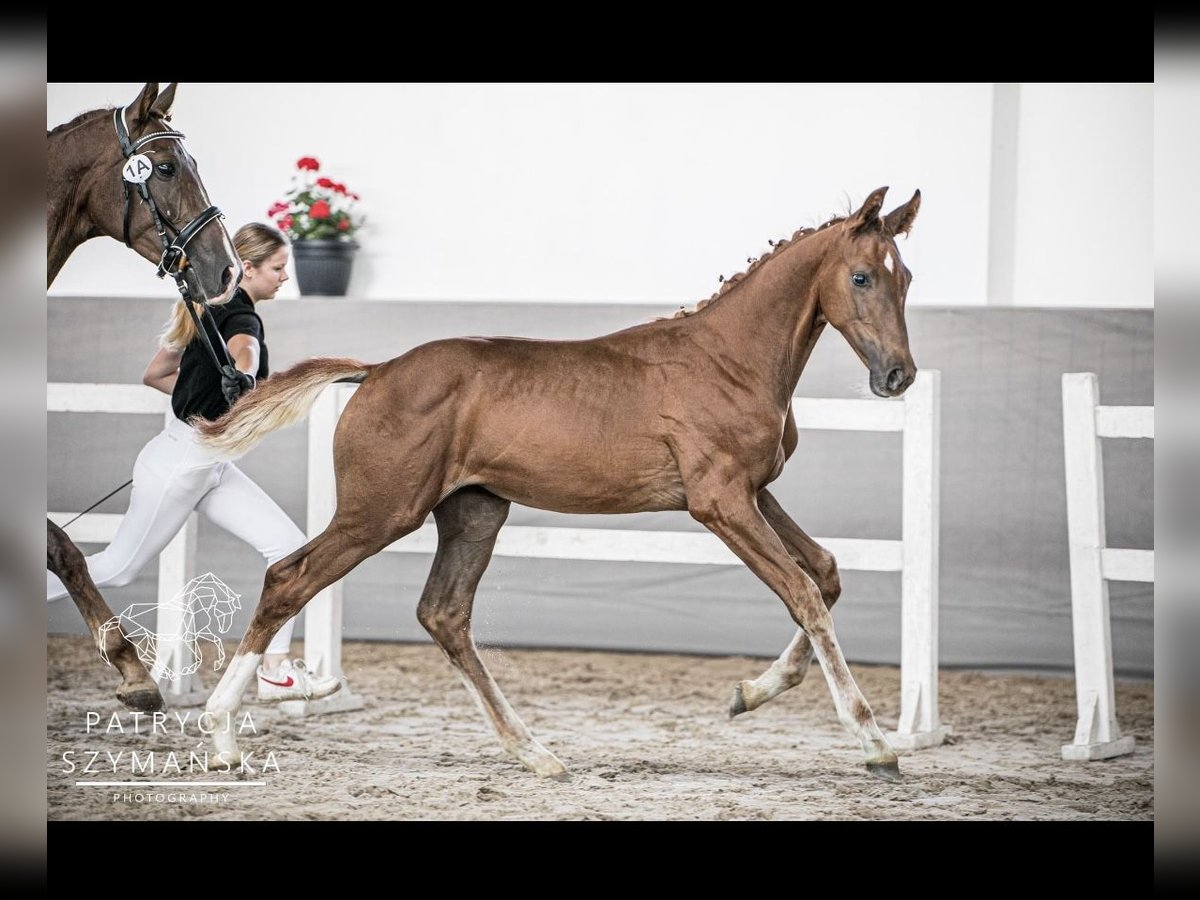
point(737, 705)
point(738, 702)
point(142, 699)
point(232, 761)
point(539, 760)
point(548, 766)
point(888, 771)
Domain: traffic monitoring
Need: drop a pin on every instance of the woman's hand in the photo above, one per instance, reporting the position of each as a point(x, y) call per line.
point(234, 383)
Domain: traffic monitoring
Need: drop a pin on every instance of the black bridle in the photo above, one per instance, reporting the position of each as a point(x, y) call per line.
point(174, 256)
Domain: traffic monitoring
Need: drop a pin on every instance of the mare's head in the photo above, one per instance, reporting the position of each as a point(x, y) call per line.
point(862, 286)
point(154, 155)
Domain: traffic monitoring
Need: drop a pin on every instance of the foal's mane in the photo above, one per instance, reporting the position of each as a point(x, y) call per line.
point(728, 284)
point(79, 120)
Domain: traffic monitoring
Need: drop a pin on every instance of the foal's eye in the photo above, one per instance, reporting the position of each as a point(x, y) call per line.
point(165, 169)
point(859, 279)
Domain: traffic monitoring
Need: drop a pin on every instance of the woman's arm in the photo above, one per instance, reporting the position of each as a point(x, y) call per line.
point(244, 350)
point(163, 370)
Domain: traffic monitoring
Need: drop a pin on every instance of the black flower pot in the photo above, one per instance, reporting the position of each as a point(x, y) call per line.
point(323, 266)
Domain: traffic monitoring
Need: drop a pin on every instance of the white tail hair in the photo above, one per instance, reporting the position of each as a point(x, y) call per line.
point(275, 403)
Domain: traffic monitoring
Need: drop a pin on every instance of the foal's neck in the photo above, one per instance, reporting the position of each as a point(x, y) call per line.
point(769, 321)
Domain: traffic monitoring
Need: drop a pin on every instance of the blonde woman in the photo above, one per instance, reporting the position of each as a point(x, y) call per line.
point(174, 475)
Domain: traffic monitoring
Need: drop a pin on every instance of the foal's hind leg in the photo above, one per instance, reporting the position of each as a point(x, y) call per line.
point(793, 664)
point(138, 690)
point(289, 585)
point(468, 522)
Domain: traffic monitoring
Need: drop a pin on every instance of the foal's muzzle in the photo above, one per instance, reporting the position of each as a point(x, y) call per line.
point(893, 380)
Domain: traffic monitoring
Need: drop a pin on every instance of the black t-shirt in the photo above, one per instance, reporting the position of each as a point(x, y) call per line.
point(198, 388)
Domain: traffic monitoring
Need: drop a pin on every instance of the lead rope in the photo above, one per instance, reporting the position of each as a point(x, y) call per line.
point(97, 503)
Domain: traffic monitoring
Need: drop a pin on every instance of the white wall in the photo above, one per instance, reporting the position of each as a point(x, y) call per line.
point(641, 193)
point(1085, 195)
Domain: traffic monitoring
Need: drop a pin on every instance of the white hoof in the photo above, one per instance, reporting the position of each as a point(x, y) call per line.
point(538, 760)
point(228, 760)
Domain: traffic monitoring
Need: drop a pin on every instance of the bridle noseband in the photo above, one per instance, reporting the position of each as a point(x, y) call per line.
point(136, 172)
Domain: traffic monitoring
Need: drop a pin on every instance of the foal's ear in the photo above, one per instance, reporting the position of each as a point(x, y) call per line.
point(868, 215)
point(139, 109)
point(900, 219)
point(162, 106)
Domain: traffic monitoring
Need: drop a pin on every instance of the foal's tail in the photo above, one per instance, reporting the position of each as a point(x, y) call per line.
point(278, 401)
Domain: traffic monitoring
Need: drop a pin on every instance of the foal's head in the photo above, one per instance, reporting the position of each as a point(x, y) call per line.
point(862, 286)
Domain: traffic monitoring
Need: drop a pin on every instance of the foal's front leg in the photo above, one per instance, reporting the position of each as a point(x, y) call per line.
point(729, 511)
point(792, 665)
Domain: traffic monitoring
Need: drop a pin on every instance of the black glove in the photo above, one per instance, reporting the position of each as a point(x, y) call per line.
point(235, 383)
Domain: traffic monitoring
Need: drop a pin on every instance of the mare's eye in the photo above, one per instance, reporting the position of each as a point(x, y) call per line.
point(859, 279)
point(165, 169)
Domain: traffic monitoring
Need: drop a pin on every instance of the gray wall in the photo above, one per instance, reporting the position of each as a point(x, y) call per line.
point(1005, 593)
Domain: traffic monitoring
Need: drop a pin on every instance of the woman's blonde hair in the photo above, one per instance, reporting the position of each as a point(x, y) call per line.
point(254, 243)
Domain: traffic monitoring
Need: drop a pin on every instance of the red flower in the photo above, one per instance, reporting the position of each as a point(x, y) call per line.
point(339, 187)
point(284, 223)
point(276, 208)
point(320, 210)
point(309, 163)
point(344, 225)
point(325, 182)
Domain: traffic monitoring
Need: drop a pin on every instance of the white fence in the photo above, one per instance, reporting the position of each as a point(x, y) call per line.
point(915, 556)
point(1093, 564)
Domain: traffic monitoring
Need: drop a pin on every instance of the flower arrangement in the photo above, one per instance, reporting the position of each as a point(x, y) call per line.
point(316, 207)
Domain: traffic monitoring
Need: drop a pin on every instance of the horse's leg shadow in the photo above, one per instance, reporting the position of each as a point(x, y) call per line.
point(138, 690)
point(793, 664)
point(468, 522)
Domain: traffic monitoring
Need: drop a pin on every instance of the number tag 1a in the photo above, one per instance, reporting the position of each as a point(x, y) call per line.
point(138, 169)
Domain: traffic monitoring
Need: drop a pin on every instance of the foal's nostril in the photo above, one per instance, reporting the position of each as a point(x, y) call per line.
point(895, 378)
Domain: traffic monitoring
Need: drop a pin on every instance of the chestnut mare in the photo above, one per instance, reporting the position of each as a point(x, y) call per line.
point(94, 164)
point(691, 412)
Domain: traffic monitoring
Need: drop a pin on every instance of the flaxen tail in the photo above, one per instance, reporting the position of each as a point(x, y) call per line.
point(276, 402)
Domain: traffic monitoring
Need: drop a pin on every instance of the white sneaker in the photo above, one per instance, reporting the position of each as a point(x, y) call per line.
point(293, 681)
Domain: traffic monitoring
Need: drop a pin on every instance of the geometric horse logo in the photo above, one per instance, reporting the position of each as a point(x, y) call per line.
point(205, 603)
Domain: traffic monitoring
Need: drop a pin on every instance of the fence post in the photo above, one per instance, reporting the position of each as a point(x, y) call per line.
point(1097, 735)
point(176, 564)
point(919, 725)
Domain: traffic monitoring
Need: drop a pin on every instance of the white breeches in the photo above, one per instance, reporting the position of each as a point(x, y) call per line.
point(174, 475)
